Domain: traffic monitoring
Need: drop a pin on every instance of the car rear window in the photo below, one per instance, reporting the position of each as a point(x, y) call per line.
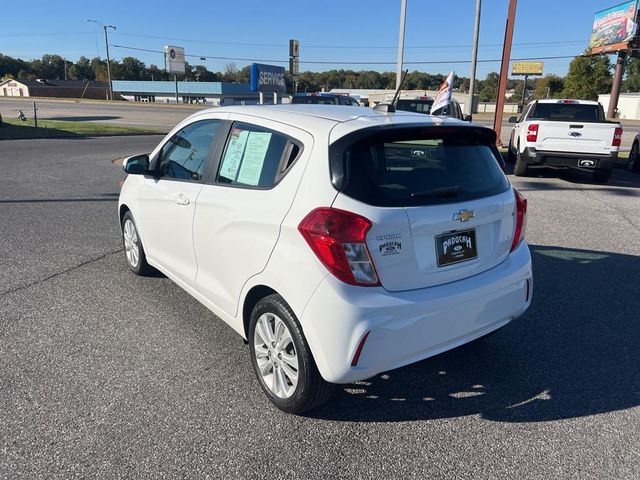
point(423, 166)
point(419, 106)
point(567, 112)
point(315, 100)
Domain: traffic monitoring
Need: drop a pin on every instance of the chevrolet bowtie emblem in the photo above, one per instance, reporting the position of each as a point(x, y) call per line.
point(464, 215)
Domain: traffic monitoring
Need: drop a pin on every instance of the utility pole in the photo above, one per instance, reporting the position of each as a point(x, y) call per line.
point(403, 18)
point(617, 82)
point(106, 42)
point(504, 69)
point(474, 57)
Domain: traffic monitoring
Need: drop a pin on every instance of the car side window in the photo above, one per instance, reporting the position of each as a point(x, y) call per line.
point(255, 156)
point(184, 155)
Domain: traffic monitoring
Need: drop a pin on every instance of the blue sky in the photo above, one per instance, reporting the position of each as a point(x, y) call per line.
point(329, 31)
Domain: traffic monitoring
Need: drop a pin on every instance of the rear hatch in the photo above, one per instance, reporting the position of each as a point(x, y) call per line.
point(568, 126)
point(440, 206)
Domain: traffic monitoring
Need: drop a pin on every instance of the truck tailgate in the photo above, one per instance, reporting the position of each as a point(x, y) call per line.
point(575, 137)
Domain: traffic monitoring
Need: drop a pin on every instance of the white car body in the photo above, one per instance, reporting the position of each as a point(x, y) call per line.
point(227, 246)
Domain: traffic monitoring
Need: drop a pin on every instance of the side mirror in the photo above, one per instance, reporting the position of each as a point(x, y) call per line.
point(136, 165)
point(513, 119)
point(467, 118)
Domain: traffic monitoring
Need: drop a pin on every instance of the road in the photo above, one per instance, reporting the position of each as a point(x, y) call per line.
point(107, 375)
point(164, 117)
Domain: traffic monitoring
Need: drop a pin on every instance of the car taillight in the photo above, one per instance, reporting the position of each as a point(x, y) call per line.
point(617, 137)
point(521, 220)
point(532, 132)
point(338, 238)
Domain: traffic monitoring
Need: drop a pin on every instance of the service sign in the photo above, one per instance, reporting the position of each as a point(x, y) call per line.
point(527, 68)
point(614, 28)
point(174, 59)
point(268, 78)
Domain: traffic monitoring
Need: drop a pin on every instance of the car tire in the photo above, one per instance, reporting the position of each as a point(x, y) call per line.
point(511, 157)
point(601, 176)
point(133, 249)
point(633, 164)
point(277, 346)
point(521, 167)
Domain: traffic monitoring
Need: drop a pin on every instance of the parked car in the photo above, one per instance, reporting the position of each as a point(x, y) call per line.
point(423, 105)
point(565, 133)
point(323, 98)
point(633, 164)
point(339, 242)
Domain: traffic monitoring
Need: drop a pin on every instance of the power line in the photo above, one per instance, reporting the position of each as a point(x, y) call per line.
point(341, 47)
point(326, 62)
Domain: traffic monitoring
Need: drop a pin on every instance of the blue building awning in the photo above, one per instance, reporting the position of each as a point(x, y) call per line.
point(184, 88)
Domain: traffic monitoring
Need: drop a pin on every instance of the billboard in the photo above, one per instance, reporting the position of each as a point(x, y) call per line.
point(527, 68)
point(267, 78)
point(613, 28)
point(174, 59)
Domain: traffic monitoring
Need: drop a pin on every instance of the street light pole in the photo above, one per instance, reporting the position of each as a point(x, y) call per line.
point(474, 57)
point(106, 42)
point(403, 17)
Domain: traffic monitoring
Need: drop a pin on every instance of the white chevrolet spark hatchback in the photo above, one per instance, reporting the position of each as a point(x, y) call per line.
point(340, 242)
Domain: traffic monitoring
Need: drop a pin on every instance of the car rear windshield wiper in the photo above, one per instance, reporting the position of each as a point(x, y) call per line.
point(440, 192)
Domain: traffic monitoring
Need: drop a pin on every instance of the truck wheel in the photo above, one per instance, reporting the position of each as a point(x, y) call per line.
point(633, 165)
point(601, 176)
point(511, 157)
point(520, 169)
point(282, 360)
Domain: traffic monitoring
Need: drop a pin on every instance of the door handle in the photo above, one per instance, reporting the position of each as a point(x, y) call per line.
point(181, 199)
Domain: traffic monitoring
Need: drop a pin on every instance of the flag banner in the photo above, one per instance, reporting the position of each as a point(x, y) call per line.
point(444, 94)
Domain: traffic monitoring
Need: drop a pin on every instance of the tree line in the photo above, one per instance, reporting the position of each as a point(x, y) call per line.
point(586, 78)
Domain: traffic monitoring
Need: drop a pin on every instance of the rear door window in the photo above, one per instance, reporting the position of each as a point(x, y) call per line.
point(425, 166)
point(256, 157)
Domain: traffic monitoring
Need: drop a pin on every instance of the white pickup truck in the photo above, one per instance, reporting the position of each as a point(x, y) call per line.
point(566, 134)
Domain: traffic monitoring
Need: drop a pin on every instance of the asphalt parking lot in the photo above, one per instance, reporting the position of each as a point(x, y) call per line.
point(104, 374)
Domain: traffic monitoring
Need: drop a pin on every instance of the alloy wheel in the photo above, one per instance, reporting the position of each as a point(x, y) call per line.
point(276, 355)
point(131, 247)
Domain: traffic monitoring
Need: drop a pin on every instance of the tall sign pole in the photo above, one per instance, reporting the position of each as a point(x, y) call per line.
point(617, 82)
point(403, 18)
point(294, 63)
point(504, 69)
point(474, 57)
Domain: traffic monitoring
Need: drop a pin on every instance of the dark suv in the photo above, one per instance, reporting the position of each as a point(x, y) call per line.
point(324, 99)
point(423, 105)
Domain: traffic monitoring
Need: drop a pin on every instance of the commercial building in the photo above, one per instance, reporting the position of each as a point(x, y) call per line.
point(204, 93)
point(628, 105)
point(54, 88)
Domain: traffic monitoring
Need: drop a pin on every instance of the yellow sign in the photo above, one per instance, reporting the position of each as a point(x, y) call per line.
point(526, 68)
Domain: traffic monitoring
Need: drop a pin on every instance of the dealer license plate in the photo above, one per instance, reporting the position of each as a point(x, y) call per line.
point(456, 247)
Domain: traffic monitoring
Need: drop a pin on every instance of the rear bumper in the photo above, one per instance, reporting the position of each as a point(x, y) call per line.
point(531, 156)
point(405, 327)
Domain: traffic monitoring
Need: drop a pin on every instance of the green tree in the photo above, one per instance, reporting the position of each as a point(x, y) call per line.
point(631, 82)
point(549, 86)
point(587, 77)
point(132, 69)
point(488, 88)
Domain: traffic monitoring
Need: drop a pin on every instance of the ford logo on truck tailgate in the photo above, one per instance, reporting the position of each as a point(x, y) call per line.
point(575, 134)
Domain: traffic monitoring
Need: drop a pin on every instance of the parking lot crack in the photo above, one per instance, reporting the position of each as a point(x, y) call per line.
point(57, 274)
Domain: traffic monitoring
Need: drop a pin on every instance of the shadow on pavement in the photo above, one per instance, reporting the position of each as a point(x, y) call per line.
point(621, 177)
point(87, 118)
point(575, 352)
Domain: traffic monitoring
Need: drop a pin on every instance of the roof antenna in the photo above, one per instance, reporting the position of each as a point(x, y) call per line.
point(391, 107)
